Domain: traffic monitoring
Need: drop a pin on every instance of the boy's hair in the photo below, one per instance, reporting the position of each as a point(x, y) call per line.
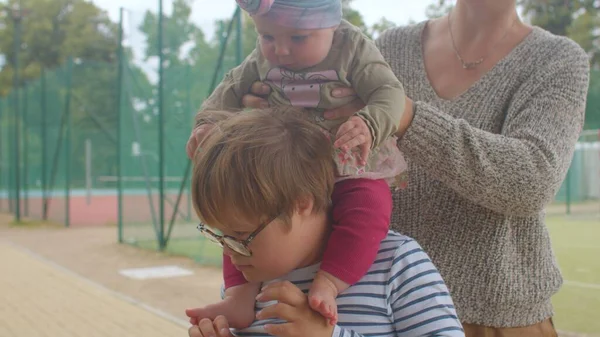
point(257, 165)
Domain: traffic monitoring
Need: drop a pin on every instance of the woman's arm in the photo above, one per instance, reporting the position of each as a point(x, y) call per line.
point(519, 170)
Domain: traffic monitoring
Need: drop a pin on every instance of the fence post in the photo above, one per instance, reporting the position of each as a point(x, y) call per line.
point(239, 45)
point(88, 170)
point(213, 84)
point(119, 128)
point(68, 144)
point(188, 83)
point(17, 19)
point(2, 160)
point(44, 108)
point(161, 131)
point(568, 190)
point(25, 152)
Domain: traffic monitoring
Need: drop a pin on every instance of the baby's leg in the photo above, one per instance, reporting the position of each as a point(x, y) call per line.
point(361, 215)
point(240, 297)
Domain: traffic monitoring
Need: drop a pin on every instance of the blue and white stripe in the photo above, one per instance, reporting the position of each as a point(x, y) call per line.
point(402, 295)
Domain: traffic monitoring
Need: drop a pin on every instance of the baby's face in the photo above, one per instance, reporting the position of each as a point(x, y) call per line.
point(291, 48)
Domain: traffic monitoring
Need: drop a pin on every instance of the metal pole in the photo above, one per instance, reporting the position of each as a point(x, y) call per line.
point(240, 45)
point(161, 129)
point(17, 16)
point(2, 160)
point(188, 83)
point(568, 190)
point(44, 147)
point(68, 146)
point(88, 170)
point(213, 84)
point(119, 127)
point(25, 153)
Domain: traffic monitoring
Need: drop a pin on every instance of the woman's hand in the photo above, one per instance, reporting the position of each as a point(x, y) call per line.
point(348, 110)
point(257, 97)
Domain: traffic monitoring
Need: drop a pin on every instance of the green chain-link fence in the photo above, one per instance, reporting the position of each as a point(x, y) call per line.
point(155, 215)
point(61, 119)
point(104, 143)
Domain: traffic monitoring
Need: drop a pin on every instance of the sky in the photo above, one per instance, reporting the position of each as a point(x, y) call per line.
point(398, 11)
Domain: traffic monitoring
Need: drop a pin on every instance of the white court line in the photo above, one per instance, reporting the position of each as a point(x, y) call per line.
point(582, 285)
point(577, 247)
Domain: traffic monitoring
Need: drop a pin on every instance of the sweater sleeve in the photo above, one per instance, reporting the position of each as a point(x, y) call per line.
point(377, 85)
point(518, 171)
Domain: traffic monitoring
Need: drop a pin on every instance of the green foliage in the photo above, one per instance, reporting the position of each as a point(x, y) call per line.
point(439, 9)
point(53, 31)
point(353, 16)
point(579, 20)
point(380, 27)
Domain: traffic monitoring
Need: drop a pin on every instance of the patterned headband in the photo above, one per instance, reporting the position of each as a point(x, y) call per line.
point(298, 14)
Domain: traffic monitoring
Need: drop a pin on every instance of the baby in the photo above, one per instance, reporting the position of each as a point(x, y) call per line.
point(304, 51)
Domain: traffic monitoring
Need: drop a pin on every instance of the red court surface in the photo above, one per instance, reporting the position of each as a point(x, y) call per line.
point(100, 210)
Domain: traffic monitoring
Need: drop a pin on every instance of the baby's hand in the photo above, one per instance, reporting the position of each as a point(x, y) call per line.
point(355, 133)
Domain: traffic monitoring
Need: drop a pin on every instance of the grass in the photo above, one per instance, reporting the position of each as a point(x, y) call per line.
point(576, 243)
point(198, 249)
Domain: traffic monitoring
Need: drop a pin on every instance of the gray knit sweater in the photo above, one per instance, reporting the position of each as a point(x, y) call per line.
point(482, 168)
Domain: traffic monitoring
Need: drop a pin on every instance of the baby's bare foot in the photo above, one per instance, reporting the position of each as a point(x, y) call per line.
point(321, 297)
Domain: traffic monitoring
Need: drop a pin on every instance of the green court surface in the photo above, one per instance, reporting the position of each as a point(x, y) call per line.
point(198, 248)
point(576, 243)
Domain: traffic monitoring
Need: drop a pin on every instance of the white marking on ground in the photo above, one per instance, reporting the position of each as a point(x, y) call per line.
point(582, 285)
point(155, 272)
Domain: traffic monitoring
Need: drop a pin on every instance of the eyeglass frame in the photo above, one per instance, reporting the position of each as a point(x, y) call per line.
point(220, 239)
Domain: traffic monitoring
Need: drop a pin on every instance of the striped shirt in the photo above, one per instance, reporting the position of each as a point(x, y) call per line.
point(402, 295)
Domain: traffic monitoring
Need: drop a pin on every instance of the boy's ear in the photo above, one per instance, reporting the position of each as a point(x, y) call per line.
point(305, 205)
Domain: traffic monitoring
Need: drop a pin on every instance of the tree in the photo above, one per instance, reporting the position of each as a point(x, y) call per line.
point(353, 16)
point(178, 33)
point(380, 27)
point(578, 19)
point(52, 32)
point(553, 15)
point(439, 9)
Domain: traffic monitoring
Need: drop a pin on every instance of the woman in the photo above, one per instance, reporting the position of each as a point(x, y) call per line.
point(494, 109)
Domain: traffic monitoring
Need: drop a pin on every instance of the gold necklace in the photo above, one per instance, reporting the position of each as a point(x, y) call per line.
point(471, 65)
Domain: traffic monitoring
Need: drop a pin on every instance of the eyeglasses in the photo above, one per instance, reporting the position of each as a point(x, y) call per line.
point(238, 246)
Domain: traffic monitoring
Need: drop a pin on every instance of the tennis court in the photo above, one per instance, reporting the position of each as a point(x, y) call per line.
point(95, 206)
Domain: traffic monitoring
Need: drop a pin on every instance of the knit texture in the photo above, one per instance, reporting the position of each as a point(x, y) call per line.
point(482, 168)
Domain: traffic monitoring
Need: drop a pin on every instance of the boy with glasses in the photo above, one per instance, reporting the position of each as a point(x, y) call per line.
point(261, 186)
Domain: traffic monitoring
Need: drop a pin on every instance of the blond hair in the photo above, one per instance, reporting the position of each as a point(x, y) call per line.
point(257, 165)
